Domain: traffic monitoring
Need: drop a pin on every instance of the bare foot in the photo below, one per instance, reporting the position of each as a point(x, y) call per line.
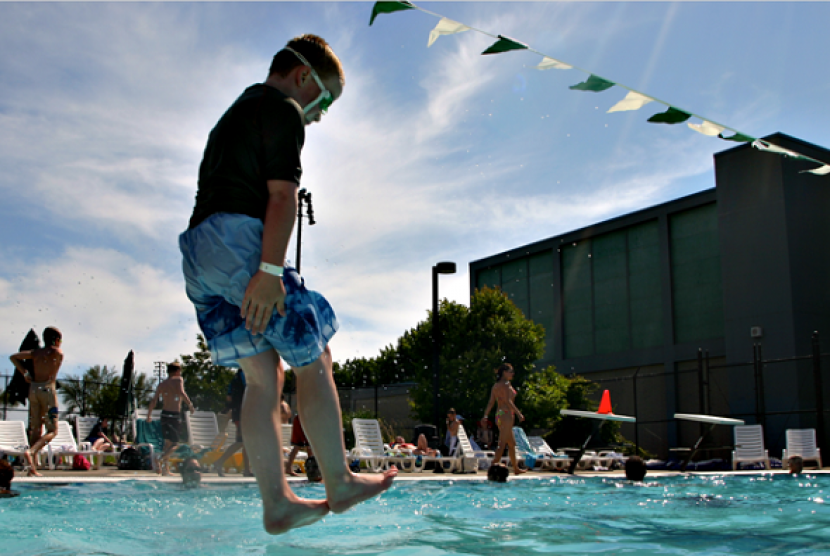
point(290, 513)
point(519, 471)
point(30, 461)
point(358, 488)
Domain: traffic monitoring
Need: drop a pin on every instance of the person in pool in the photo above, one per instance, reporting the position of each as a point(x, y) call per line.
point(191, 472)
point(796, 465)
point(252, 307)
point(43, 394)
point(635, 469)
point(504, 395)
point(6, 477)
point(171, 391)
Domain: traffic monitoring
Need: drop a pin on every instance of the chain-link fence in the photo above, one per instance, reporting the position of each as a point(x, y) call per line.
point(780, 394)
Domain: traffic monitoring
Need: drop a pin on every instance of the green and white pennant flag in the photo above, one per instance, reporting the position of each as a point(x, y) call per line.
point(446, 27)
point(632, 101)
point(550, 63)
point(707, 128)
point(822, 171)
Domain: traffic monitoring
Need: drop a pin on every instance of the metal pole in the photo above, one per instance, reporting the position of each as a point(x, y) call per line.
point(300, 199)
point(757, 387)
point(5, 397)
point(700, 401)
point(707, 400)
point(636, 415)
point(819, 389)
point(435, 358)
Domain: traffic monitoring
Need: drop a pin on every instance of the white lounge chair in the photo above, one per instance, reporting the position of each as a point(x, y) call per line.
point(801, 442)
point(83, 426)
point(369, 444)
point(524, 448)
point(64, 446)
point(13, 441)
point(465, 460)
point(749, 446)
point(555, 461)
point(202, 428)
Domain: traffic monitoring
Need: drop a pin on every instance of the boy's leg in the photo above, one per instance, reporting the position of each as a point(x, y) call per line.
point(319, 408)
point(262, 428)
point(232, 449)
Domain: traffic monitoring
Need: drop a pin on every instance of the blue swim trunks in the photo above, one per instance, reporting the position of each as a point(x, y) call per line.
point(220, 256)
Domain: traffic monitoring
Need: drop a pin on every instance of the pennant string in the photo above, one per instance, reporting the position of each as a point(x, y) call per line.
point(597, 83)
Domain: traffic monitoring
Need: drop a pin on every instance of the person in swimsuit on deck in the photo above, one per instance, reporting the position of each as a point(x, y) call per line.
point(504, 394)
point(43, 394)
point(172, 393)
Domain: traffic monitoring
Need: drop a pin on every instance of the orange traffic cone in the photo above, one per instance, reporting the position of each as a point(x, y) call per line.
point(605, 404)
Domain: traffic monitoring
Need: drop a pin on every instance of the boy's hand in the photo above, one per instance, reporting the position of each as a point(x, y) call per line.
point(264, 292)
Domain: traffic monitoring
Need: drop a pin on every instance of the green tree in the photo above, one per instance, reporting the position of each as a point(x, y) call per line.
point(543, 394)
point(96, 392)
point(572, 431)
point(475, 341)
point(205, 383)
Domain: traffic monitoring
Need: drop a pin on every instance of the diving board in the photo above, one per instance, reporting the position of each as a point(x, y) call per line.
point(594, 415)
point(712, 421)
point(603, 414)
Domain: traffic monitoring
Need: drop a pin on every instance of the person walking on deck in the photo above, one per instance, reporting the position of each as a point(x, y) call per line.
point(43, 393)
point(171, 391)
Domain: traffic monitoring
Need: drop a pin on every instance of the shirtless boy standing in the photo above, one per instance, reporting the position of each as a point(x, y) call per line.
point(43, 394)
point(172, 393)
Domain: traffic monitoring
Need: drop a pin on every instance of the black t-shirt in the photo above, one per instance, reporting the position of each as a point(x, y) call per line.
point(258, 139)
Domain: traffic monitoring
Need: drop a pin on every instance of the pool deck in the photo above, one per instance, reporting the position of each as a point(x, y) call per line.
point(108, 474)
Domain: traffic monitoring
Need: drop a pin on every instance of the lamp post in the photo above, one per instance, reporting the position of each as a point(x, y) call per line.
point(303, 195)
point(440, 268)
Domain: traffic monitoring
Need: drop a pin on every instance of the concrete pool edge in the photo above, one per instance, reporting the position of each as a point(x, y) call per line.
point(77, 478)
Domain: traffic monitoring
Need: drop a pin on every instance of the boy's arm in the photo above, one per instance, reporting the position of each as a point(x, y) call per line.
point(266, 292)
point(186, 398)
point(17, 360)
point(152, 405)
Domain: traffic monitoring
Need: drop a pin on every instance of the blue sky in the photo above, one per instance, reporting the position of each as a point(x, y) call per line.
point(431, 154)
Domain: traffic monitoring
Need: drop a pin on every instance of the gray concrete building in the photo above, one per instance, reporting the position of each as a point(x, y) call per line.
point(671, 306)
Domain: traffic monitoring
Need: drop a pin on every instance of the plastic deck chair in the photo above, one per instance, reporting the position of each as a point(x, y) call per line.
point(202, 428)
point(555, 461)
point(64, 445)
point(749, 446)
point(369, 444)
point(801, 442)
point(524, 448)
point(465, 460)
point(13, 441)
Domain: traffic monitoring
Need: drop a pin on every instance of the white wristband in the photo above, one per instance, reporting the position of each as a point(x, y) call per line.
point(271, 269)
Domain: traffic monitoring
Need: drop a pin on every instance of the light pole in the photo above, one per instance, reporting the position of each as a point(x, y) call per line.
point(440, 268)
point(303, 195)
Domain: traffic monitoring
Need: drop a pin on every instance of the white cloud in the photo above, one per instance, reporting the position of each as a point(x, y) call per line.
point(105, 303)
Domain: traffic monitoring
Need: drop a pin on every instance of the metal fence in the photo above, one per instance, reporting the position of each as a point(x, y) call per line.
point(779, 393)
point(387, 402)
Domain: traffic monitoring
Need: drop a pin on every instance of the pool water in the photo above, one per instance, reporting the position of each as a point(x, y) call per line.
point(700, 514)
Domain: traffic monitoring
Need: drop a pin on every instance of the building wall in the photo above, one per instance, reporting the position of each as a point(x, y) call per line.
point(653, 288)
